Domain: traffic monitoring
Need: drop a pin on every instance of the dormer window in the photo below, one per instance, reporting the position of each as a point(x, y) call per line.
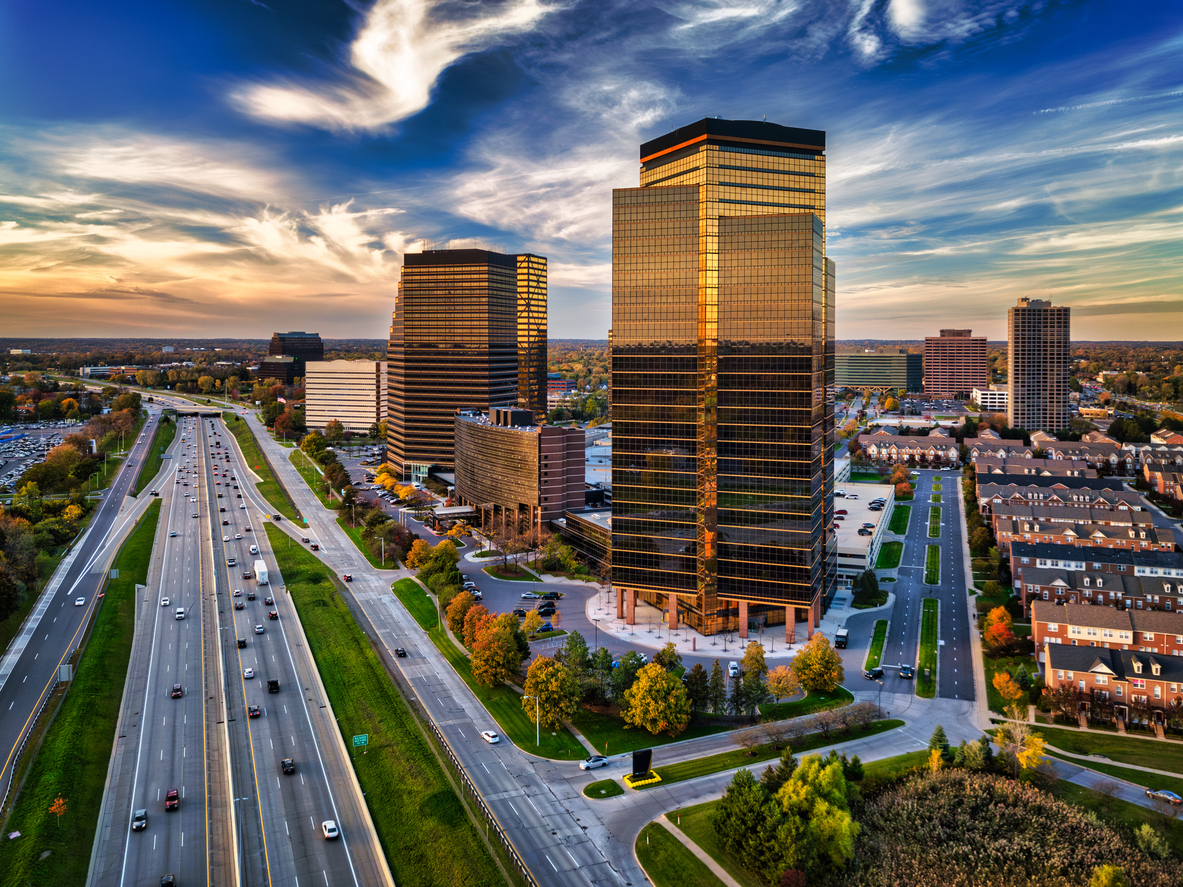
point(1086, 581)
point(1100, 582)
point(1155, 669)
point(1137, 666)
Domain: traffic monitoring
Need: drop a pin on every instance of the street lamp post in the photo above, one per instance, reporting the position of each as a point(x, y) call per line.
point(537, 721)
point(880, 683)
point(596, 642)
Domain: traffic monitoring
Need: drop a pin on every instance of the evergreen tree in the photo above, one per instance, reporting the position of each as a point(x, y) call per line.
point(698, 688)
point(737, 701)
point(1023, 677)
point(776, 775)
point(717, 692)
point(939, 741)
point(601, 671)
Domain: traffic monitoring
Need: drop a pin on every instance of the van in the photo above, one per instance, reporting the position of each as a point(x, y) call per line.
point(254, 549)
point(841, 637)
point(180, 612)
point(733, 668)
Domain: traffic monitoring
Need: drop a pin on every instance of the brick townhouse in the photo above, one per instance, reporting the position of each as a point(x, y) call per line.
point(989, 443)
point(1080, 625)
point(1099, 588)
point(887, 447)
point(1145, 536)
point(1071, 514)
point(993, 493)
point(1117, 685)
point(1031, 466)
point(1135, 563)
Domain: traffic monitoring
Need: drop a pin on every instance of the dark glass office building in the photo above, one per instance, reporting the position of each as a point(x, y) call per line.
point(301, 347)
point(722, 352)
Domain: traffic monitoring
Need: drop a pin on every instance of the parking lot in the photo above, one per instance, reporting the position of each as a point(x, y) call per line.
point(18, 455)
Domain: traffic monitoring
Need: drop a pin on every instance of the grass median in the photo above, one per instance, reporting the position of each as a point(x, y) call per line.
point(307, 470)
point(269, 487)
point(422, 825)
point(899, 519)
point(889, 555)
point(354, 533)
point(932, 565)
point(934, 522)
point(166, 432)
point(670, 863)
point(878, 639)
point(76, 750)
point(808, 704)
point(418, 603)
point(926, 663)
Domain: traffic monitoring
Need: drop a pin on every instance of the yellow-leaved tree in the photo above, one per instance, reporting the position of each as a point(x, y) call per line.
point(419, 554)
point(782, 683)
point(657, 701)
point(556, 690)
point(818, 666)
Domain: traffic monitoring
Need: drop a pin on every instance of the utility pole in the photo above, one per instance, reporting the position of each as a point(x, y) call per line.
point(537, 722)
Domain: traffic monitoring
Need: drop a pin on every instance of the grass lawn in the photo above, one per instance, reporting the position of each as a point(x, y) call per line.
point(269, 488)
point(932, 565)
point(543, 635)
point(497, 573)
point(927, 659)
point(1120, 749)
point(609, 735)
point(934, 522)
point(808, 704)
point(161, 441)
point(935, 497)
point(875, 653)
point(605, 788)
point(74, 754)
point(887, 769)
point(993, 665)
point(1137, 777)
point(422, 825)
point(866, 477)
point(418, 603)
point(730, 760)
point(695, 823)
point(354, 533)
point(312, 477)
point(504, 704)
point(899, 519)
point(669, 863)
point(936, 487)
point(489, 553)
point(1120, 813)
point(889, 555)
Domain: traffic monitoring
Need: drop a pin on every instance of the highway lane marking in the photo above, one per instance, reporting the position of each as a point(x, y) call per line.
point(551, 861)
point(25, 678)
point(11, 704)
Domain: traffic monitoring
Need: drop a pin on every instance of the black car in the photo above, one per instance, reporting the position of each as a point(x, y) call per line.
point(519, 612)
point(168, 881)
point(546, 611)
point(268, 600)
point(177, 691)
point(873, 674)
point(242, 642)
point(252, 711)
point(139, 821)
point(273, 685)
point(288, 765)
point(551, 596)
point(400, 652)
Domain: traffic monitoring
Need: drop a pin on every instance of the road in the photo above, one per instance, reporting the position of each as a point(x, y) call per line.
point(274, 835)
point(54, 629)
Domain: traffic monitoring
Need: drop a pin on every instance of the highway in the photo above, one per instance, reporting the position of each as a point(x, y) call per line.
point(204, 744)
point(28, 670)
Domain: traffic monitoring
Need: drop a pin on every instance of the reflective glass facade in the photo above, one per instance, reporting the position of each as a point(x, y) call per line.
point(453, 345)
point(722, 351)
point(532, 333)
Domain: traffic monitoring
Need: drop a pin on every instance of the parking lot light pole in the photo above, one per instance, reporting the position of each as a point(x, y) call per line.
point(537, 721)
point(880, 683)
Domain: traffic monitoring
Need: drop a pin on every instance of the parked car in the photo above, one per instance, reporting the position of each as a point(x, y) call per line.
point(529, 596)
point(519, 612)
point(551, 596)
point(545, 626)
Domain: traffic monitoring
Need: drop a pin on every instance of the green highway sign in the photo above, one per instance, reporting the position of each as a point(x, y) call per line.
point(364, 739)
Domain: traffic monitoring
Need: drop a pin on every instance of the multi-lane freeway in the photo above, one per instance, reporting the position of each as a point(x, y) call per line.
point(29, 669)
point(221, 739)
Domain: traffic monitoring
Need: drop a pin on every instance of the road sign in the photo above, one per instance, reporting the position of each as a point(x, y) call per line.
point(364, 739)
point(114, 574)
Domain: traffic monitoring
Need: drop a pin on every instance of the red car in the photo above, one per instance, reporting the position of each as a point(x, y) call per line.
point(172, 800)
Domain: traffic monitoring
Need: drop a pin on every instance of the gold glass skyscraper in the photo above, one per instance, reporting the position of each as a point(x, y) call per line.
point(532, 333)
point(722, 351)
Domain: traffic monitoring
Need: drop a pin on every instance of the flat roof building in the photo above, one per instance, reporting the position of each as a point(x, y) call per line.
point(955, 364)
point(991, 400)
point(299, 346)
point(351, 391)
point(879, 371)
point(1039, 359)
point(514, 473)
point(722, 350)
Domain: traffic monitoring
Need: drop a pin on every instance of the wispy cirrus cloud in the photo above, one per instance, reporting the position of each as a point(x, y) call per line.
point(395, 60)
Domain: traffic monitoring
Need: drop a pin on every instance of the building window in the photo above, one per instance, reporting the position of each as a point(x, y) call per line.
point(1100, 679)
point(1055, 626)
point(1138, 683)
point(1158, 691)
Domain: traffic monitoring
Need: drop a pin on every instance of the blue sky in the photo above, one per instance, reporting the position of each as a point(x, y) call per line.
point(235, 167)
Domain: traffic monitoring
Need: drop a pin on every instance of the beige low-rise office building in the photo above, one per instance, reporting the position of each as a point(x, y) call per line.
point(351, 391)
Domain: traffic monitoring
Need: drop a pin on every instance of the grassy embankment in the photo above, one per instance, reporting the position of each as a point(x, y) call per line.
point(927, 660)
point(932, 565)
point(315, 480)
point(422, 825)
point(808, 704)
point(899, 519)
point(875, 652)
point(166, 432)
point(889, 555)
point(269, 487)
point(76, 749)
point(669, 863)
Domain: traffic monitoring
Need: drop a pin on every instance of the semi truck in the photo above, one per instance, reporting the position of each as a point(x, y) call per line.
point(261, 572)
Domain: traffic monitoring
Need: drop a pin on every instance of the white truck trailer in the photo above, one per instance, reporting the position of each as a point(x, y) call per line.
point(261, 572)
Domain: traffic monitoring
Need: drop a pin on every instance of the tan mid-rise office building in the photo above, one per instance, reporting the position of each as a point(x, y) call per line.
point(1039, 358)
point(351, 391)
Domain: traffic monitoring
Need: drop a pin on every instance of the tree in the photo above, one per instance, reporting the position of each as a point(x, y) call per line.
point(624, 674)
point(939, 741)
point(59, 807)
point(419, 554)
point(457, 611)
point(475, 620)
point(753, 660)
point(1108, 876)
point(698, 686)
point(818, 666)
point(601, 669)
point(717, 689)
point(334, 431)
point(999, 616)
point(997, 638)
point(783, 683)
point(531, 623)
point(746, 820)
point(496, 655)
point(1008, 688)
point(657, 701)
point(574, 655)
point(668, 658)
point(556, 689)
point(776, 776)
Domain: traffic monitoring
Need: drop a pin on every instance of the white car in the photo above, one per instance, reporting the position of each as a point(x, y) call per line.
point(172, 535)
point(194, 499)
point(594, 762)
point(248, 673)
point(490, 736)
point(79, 601)
point(238, 535)
point(330, 829)
point(243, 505)
point(164, 602)
point(225, 538)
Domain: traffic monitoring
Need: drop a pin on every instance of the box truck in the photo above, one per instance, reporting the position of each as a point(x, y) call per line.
point(261, 572)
